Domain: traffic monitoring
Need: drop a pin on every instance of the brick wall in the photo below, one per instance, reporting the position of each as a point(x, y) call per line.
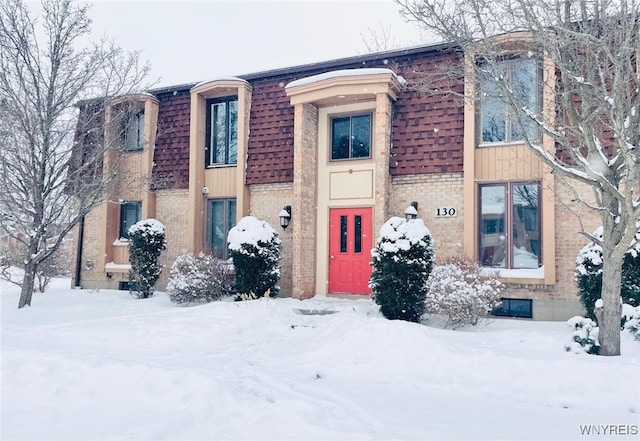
point(433, 191)
point(171, 210)
point(267, 200)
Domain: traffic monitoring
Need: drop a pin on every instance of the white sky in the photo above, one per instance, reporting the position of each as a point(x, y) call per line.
point(193, 41)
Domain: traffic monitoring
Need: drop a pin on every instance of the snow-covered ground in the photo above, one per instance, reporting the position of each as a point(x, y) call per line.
point(82, 365)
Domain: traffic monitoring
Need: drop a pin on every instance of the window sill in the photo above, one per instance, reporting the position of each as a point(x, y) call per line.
point(122, 242)
point(532, 276)
point(117, 267)
point(502, 144)
point(209, 167)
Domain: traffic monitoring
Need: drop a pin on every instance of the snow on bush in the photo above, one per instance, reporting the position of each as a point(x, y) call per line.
point(255, 249)
point(458, 292)
point(588, 274)
point(631, 320)
point(584, 337)
point(199, 279)
point(146, 242)
point(402, 262)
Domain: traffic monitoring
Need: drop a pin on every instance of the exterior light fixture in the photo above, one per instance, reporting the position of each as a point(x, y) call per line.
point(285, 216)
point(411, 212)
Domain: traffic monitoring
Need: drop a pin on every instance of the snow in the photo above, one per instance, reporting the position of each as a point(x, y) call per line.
point(86, 364)
point(400, 234)
point(250, 230)
point(211, 80)
point(339, 74)
point(147, 226)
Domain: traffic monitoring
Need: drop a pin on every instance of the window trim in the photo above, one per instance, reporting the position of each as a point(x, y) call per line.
point(351, 115)
point(209, 223)
point(508, 222)
point(124, 235)
point(209, 152)
point(509, 113)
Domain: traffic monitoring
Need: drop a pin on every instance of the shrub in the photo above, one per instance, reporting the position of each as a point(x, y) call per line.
point(588, 274)
point(255, 250)
point(146, 242)
point(198, 279)
point(402, 262)
point(584, 336)
point(458, 291)
point(631, 320)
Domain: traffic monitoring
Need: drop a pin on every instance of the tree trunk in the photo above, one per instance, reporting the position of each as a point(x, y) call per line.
point(609, 323)
point(27, 284)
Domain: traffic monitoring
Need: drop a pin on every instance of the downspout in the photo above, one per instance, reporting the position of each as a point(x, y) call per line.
point(76, 282)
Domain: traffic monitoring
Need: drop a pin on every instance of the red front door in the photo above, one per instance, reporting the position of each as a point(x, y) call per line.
point(349, 250)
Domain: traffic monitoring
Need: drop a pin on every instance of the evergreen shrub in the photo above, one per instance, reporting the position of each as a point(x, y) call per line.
point(255, 250)
point(584, 337)
point(588, 274)
point(146, 241)
point(402, 261)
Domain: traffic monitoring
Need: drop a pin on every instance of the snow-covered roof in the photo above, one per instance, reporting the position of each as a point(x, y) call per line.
point(211, 80)
point(339, 74)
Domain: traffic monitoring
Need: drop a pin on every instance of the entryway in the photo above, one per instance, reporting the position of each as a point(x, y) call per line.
point(350, 243)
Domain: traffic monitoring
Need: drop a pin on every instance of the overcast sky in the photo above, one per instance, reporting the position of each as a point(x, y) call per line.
point(193, 41)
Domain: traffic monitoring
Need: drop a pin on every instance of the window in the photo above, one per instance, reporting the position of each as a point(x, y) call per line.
point(222, 131)
point(510, 225)
point(514, 308)
point(498, 121)
point(351, 137)
point(134, 132)
point(129, 215)
point(222, 217)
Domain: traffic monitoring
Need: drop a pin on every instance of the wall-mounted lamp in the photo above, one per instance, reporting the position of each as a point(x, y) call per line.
point(285, 216)
point(411, 212)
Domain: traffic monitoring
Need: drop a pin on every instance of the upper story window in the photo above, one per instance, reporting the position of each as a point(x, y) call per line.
point(509, 224)
point(134, 132)
point(222, 131)
point(129, 214)
point(351, 137)
point(499, 122)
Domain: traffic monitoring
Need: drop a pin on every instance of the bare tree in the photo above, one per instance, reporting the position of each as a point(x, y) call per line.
point(48, 73)
point(590, 51)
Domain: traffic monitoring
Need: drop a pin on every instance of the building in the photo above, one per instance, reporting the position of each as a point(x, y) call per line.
point(345, 144)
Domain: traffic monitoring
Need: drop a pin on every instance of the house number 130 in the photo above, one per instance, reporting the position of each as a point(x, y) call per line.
point(445, 212)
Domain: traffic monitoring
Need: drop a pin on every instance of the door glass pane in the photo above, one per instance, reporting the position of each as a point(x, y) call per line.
point(357, 234)
point(218, 224)
point(492, 226)
point(361, 134)
point(340, 138)
point(343, 234)
point(231, 216)
point(526, 226)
